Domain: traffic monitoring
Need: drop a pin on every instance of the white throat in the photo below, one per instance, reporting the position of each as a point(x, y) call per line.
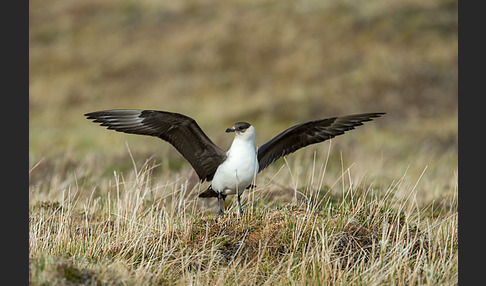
point(244, 140)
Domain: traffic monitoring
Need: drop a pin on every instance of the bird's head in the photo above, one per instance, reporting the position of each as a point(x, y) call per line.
point(242, 129)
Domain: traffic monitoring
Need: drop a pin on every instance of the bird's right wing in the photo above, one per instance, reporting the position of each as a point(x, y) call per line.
point(304, 134)
point(179, 130)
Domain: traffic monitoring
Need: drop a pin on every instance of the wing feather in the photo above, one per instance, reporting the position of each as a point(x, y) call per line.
point(304, 134)
point(179, 130)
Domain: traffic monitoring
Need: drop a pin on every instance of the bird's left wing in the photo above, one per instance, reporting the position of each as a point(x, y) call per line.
point(179, 130)
point(304, 134)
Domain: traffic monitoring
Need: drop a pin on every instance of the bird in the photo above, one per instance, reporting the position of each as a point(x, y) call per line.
point(229, 172)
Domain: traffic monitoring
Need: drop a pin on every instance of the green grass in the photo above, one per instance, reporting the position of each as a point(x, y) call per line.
point(375, 206)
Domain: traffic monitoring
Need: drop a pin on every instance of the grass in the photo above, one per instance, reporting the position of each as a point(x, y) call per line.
point(135, 231)
point(372, 207)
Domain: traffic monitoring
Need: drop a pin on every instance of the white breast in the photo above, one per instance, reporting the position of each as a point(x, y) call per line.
point(239, 169)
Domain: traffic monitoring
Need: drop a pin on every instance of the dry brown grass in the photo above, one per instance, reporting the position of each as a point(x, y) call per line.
point(135, 231)
point(375, 206)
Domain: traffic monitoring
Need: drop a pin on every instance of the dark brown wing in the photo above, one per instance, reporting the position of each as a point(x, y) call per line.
point(179, 130)
point(308, 133)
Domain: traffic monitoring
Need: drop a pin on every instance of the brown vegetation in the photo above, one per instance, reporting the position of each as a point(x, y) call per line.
point(375, 206)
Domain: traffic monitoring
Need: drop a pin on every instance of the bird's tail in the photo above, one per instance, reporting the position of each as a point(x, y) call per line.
point(210, 193)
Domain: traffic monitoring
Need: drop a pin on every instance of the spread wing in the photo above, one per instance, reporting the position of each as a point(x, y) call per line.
point(308, 133)
point(179, 130)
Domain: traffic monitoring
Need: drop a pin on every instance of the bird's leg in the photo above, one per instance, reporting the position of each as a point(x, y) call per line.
point(239, 203)
point(219, 201)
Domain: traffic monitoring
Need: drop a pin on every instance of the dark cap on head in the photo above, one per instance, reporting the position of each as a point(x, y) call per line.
point(239, 126)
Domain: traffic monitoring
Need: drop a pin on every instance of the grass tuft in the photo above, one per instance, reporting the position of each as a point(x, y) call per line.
point(366, 235)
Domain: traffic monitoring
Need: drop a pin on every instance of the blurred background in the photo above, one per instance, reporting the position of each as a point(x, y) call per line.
point(271, 63)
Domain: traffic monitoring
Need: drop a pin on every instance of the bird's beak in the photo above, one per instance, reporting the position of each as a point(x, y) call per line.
point(232, 129)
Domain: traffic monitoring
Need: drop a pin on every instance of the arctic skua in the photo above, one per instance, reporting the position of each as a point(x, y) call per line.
point(233, 171)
